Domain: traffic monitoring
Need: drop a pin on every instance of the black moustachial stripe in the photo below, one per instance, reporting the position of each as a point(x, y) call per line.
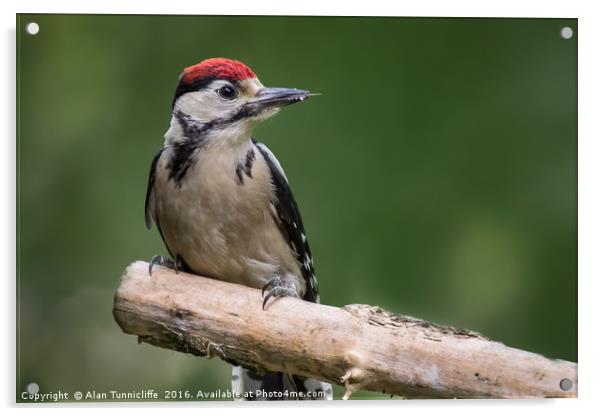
point(195, 132)
point(290, 223)
point(184, 150)
point(247, 167)
point(191, 127)
point(195, 135)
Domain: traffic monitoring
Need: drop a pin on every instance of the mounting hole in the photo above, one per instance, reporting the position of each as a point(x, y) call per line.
point(566, 32)
point(32, 388)
point(32, 28)
point(566, 384)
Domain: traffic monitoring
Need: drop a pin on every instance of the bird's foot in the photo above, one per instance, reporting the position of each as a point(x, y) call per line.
point(163, 261)
point(277, 288)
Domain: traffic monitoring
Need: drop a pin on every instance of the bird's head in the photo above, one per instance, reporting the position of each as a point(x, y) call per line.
point(226, 94)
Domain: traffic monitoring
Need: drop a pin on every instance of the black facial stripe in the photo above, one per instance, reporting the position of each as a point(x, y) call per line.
point(195, 133)
point(184, 150)
point(191, 127)
point(195, 137)
point(202, 83)
point(197, 85)
point(200, 130)
point(181, 160)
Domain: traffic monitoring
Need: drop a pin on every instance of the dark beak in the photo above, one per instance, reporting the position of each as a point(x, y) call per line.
point(276, 97)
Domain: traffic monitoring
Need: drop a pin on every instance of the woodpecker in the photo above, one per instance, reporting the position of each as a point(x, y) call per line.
point(223, 205)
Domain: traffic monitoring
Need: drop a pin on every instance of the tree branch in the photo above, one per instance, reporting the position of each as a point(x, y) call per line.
point(359, 346)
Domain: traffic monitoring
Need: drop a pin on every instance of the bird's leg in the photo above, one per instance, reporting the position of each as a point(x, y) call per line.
point(165, 262)
point(279, 287)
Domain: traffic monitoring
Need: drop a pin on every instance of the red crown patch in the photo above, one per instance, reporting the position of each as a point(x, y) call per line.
point(220, 68)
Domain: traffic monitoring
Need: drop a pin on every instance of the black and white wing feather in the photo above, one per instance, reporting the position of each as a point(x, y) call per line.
point(149, 210)
point(288, 218)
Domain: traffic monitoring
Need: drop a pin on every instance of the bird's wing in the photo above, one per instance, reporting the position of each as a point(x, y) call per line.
point(148, 206)
point(149, 210)
point(288, 219)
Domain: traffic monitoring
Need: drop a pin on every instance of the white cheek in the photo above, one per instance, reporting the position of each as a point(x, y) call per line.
point(234, 131)
point(204, 105)
point(265, 114)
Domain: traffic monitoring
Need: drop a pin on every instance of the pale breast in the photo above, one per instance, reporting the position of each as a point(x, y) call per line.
point(218, 219)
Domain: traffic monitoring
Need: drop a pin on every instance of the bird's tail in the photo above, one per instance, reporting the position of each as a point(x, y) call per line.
point(247, 385)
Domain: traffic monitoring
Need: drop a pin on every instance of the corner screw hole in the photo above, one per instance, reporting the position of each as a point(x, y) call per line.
point(32, 388)
point(32, 28)
point(566, 32)
point(566, 384)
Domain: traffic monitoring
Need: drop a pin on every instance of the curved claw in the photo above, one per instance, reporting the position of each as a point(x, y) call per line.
point(265, 300)
point(162, 261)
point(278, 288)
point(269, 285)
point(154, 260)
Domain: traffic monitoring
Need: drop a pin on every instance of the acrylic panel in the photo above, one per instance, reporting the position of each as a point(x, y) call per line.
point(436, 174)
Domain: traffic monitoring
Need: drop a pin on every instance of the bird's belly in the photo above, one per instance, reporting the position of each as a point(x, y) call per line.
point(223, 229)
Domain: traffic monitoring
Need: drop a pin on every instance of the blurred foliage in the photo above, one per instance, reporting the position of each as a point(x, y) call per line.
point(437, 175)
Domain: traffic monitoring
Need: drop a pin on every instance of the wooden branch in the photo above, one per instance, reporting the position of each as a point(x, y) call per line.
point(359, 346)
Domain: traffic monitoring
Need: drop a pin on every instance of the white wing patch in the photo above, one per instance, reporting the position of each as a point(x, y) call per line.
point(267, 151)
point(288, 219)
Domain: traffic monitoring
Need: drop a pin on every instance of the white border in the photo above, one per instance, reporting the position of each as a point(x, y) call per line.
point(590, 182)
point(551, 8)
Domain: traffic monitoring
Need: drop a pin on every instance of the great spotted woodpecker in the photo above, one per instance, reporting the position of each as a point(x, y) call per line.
point(223, 205)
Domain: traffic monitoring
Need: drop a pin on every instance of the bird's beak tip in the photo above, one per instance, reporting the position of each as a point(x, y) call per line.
point(280, 97)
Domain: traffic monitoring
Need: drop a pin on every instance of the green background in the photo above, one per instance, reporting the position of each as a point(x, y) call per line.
point(436, 173)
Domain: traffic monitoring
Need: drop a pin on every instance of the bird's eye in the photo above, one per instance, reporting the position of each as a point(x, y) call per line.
point(227, 92)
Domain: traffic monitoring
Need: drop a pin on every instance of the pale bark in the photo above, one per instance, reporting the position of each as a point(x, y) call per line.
point(359, 346)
